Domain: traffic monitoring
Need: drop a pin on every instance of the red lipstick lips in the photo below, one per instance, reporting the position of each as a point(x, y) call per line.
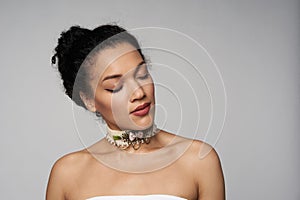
point(141, 110)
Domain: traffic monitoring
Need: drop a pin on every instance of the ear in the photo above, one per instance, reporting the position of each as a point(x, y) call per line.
point(88, 102)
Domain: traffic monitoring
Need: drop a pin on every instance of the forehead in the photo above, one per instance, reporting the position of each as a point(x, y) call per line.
point(118, 59)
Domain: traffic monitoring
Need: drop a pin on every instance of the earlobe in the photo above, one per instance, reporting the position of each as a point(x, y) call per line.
point(88, 102)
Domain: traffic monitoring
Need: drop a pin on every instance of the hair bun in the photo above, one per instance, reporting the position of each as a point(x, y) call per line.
point(69, 39)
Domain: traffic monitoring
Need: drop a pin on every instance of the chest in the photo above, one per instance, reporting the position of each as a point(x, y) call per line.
point(171, 180)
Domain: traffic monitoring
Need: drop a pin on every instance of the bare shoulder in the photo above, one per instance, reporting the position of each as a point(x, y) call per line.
point(71, 162)
point(63, 171)
point(205, 153)
point(202, 157)
point(68, 165)
point(199, 153)
point(207, 170)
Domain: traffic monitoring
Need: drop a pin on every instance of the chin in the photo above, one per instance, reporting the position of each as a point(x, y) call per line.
point(142, 123)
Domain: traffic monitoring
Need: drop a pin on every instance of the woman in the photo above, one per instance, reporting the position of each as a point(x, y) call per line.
point(104, 71)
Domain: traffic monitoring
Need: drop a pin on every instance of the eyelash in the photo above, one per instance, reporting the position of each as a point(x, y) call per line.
point(145, 76)
point(117, 90)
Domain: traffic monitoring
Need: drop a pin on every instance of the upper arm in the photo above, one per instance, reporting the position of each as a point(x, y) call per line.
point(210, 177)
point(56, 182)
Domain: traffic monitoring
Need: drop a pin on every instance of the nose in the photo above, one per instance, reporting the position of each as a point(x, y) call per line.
point(137, 92)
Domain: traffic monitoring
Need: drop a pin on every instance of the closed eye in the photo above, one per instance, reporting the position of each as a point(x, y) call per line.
point(144, 77)
point(114, 90)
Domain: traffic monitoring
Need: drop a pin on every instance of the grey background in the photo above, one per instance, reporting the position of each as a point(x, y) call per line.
point(255, 43)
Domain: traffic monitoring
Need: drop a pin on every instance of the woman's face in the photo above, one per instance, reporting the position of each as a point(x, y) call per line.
point(123, 88)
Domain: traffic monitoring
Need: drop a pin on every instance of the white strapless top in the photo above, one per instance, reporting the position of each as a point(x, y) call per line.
point(137, 197)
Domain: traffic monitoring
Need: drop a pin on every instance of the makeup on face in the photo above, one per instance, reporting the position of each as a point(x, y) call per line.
point(125, 91)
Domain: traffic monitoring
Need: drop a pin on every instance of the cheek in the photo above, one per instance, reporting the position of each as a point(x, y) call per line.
point(119, 103)
point(150, 90)
point(103, 104)
point(120, 110)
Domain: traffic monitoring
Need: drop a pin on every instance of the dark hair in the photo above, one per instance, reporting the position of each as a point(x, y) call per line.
point(76, 45)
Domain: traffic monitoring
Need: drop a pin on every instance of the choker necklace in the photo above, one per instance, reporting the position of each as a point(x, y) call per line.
point(123, 139)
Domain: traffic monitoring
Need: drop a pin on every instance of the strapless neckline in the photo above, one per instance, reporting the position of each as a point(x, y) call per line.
point(137, 197)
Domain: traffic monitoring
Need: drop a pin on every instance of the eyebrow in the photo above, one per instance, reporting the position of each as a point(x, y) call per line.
point(120, 75)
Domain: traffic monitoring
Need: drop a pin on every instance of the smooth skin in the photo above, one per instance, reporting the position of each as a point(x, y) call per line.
point(78, 175)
